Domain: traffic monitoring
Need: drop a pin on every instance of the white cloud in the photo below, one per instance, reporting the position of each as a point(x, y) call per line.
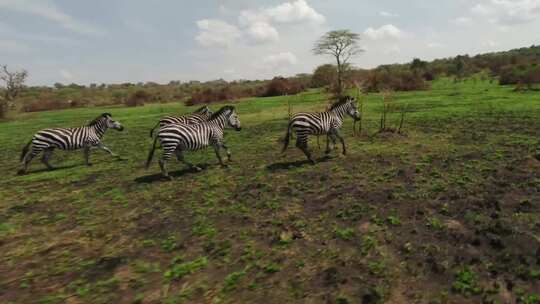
point(66, 75)
point(10, 46)
point(277, 61)
point(260, 25)
point(262, 32)
point(490, 44)
point(384, 32)
point(216, 33)
point(435, 45)
point(463, 21)
point(49, 11)
point(394, 49)
point(508, 12)
point(297, 11)
point(387, 14)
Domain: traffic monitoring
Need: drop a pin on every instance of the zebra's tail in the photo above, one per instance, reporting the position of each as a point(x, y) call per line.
point(151, 155)
point(287, 138)
point(25, 150)
point(152, 130)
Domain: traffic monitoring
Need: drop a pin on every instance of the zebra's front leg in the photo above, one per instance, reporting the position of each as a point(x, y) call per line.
point(302, 144)
point(102, 147)
point(224, 146)
point(26, 161)
point(218, 155)
point(45, 158)
point(328, 149)
point(180, 158)
point(336, 134)
point(86, 151)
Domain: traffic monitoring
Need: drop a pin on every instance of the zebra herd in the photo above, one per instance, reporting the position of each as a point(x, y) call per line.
point(191, 132)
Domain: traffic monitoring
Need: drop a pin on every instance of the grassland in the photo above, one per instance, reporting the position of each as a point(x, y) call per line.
point(447, 213)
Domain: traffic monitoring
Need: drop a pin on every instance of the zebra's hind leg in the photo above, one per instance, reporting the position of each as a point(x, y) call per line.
point(46, 156)
point(167, 152)
point(180, 157)
point(301, 143)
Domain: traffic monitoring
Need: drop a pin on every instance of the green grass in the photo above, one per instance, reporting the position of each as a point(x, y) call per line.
point(391, 221)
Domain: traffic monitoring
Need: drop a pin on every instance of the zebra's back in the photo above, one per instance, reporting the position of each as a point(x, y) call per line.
point(62, 138)
point(315, 123)
point(184, 119)
point(188, 137)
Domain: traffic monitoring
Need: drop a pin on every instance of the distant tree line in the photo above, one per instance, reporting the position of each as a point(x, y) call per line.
point(519, 67)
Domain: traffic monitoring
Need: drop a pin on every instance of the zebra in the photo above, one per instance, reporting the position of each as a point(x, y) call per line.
point(85, 138)
point(321, 123)
point(176, 138)
point(198, 116)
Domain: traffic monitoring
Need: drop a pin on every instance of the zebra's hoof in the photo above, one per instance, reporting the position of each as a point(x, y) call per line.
point(168, 177)
point(89, 165)
point(198, 169)
point(224, 166)
point(21, 172)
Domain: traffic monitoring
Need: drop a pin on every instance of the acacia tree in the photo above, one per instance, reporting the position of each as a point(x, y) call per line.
point(14, 82)
point(342, 45)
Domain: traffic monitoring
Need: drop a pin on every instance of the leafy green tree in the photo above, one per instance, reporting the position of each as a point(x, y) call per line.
point(324, 75)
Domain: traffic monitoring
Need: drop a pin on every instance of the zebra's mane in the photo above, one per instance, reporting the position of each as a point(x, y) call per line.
point(341, 101)
point(201, 109)
point(95, 121)
point(221, 111)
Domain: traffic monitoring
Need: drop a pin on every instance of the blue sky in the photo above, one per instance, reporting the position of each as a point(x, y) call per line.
point(160, 40)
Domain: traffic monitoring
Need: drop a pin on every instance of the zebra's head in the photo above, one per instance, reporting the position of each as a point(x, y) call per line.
point(233, 119)
point(228, 117)
point(351, 107)
point(206, 111)
point(110, 123)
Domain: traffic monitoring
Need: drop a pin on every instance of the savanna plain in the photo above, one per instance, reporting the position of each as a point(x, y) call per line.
point(445, 212)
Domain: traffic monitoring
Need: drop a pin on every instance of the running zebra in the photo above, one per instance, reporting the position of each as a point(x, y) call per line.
point(321, 123)
point(200, 115)
point(176, 138)
point(84, 138)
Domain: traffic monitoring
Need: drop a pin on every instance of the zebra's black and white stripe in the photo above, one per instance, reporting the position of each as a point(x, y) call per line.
point(85, 138)
point(321, 123)
point(176, 138)
point(200, 115)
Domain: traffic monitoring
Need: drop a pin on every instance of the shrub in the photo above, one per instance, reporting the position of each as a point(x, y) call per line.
point(324, 75)
point(137, 99)
point(3, 108)
point(280, 86)
point(394, 79)
point(45, 105)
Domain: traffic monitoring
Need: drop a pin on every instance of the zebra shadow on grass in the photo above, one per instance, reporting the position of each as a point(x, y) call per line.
point(148, 179)
point(296, 164)
point(41, 170)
